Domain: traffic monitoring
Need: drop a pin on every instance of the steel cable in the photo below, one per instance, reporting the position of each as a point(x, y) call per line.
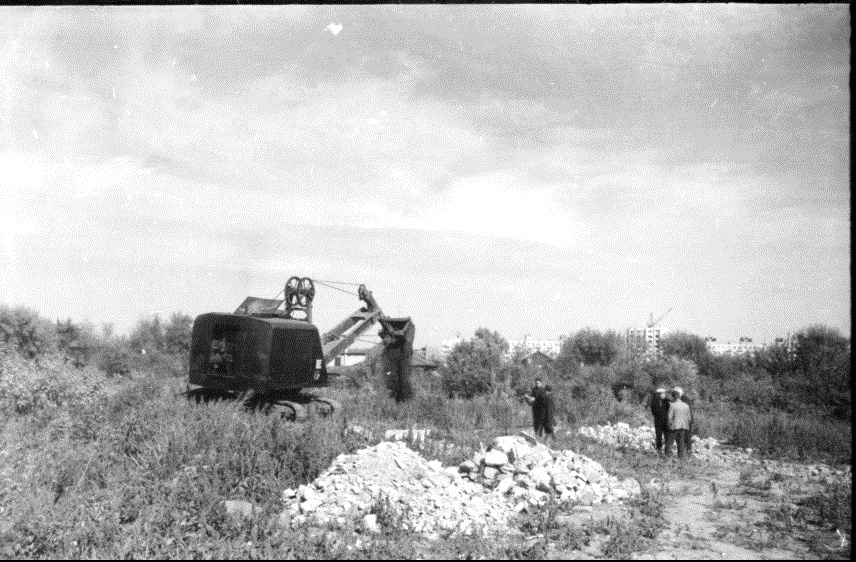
point(336, 282)
point(336, 288)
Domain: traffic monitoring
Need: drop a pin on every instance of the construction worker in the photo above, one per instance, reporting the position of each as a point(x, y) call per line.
point(549, 411)
point(660, 410)
point(538, 401)
point(680, 419)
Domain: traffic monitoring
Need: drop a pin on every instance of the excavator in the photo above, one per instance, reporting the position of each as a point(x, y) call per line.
point(268, 351)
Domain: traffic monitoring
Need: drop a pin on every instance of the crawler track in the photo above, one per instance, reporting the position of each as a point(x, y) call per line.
point(295, 407)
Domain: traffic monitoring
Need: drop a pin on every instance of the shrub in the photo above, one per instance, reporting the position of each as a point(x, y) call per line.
point(599, 407)
point(470, 370)
point(590, 347)
point(27, 387)
point(114, 359)
point(26, 332)
point(77, 342)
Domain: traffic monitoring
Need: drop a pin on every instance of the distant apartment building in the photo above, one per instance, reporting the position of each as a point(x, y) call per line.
point(745, 345)
point(550, 348)
point(646, 340)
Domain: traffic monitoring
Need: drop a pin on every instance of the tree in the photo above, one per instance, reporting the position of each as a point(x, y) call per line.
point(813, 369)
point(497, 344)
point(820, 349)
point(823, 357)
point(641, 376)
point(77, 342)
point(177, 334)
point(690, 347)
point(147, 335)
point(596, 348)
point(589, 347)
point(476, 366)
point(25, 331)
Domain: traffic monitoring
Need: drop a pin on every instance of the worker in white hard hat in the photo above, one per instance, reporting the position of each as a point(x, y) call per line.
point(680, 419)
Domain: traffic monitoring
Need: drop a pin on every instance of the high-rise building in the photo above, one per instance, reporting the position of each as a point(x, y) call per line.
point(646, 340)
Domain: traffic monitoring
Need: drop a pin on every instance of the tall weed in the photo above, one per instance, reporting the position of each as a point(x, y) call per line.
point(800, 437)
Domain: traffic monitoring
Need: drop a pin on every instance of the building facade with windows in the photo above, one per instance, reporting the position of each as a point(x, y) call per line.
point(743, 346)
point(550, 348)
point(646, 340)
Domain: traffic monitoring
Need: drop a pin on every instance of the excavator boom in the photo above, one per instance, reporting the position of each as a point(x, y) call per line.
point(348, 330)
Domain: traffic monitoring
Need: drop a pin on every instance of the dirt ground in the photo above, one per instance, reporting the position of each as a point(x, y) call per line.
point(722, 518)
point(718, 516)
point(717, 520)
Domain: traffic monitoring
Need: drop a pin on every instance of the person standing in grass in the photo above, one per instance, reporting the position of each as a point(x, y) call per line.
point(538, 401)
point(660, 410)
point(680, 419)
point(549, 411)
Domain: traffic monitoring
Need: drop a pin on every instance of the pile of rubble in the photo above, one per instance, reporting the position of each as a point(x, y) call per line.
point(709, 449)
point(641, 438)
point(526, 471)
point(431, 500)
point(480, 495)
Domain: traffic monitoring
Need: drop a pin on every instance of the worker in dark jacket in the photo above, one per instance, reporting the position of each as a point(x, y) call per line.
point(549, 411)
point(660, 409)
point(538, 401)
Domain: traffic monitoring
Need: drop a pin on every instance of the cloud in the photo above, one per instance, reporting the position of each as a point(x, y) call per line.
point(494, 204)
point(593, 133)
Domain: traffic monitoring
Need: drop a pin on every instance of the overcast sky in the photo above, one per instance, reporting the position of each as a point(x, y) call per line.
point(532, 169)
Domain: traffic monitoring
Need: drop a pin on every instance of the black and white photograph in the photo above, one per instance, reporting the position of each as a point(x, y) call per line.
point(425, 281)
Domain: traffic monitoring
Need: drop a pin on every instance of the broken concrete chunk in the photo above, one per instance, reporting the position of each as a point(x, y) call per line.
point(495, 458)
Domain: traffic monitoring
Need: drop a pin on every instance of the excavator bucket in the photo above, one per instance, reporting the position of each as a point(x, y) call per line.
point(395, 360)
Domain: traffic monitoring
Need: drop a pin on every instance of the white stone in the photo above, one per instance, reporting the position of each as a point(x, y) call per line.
point(495, 458)
point(370, 523)
point(540, 477)
point(309, 506)
point(505, 485)
point(514, 446)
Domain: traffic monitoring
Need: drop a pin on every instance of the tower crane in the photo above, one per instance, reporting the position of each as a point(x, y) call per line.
point(652, 322)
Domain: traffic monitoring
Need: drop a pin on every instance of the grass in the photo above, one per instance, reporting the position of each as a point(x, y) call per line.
point(142, 473)
point(96, 467)
point(777, 434)
point(784, 436)
point(820, 520)
point(634, 533)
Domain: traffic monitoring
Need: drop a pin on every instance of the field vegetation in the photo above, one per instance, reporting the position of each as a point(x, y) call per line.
point(101, 455)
